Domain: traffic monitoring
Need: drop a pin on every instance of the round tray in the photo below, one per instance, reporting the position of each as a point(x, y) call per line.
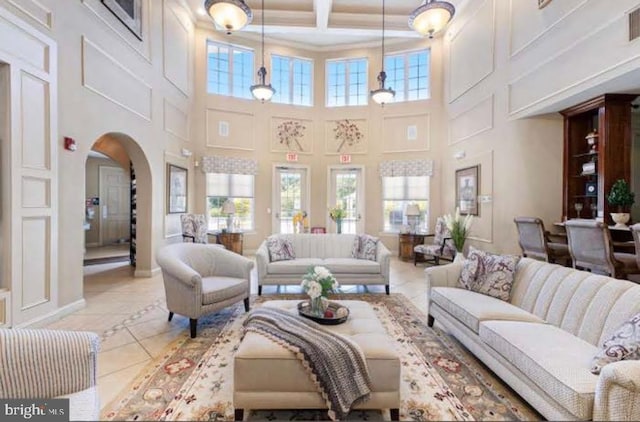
point(304, 309)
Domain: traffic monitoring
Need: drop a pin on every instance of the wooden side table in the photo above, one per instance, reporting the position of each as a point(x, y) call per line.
point(407, 241)
point(231, 240)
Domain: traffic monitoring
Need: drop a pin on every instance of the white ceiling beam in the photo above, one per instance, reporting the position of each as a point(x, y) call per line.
point(323, 10)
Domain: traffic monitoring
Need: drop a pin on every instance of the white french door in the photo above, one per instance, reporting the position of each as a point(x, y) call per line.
point(290, 195)
point(346, 188)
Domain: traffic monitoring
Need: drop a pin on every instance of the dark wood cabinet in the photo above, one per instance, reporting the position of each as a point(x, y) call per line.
point(590, 171)
point(231, 241)
point(407, 241)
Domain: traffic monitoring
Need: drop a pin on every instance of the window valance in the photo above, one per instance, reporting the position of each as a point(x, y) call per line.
point(229, 165)
point(406, 168)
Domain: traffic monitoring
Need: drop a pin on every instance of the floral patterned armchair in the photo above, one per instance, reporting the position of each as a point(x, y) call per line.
point(194, 228)
point(441, 248)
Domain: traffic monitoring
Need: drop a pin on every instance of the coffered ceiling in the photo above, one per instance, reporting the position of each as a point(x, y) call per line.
point(322, 24)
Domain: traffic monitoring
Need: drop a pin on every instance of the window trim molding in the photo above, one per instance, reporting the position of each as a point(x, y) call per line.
point(231, 47)
point(291, 77)
point(346, 80)
point(405, 54)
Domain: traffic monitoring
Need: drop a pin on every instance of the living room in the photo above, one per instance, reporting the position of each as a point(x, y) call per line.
point(158, 82)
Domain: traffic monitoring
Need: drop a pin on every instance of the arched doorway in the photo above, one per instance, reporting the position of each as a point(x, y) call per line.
point(122, 149)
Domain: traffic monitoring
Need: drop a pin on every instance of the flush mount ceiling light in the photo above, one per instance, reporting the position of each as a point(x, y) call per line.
point(261, 91)
point(232, 15)
point(382, 95)
point(431, 17)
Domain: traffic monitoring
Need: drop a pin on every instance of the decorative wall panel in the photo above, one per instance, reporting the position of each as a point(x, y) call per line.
point(176, 121)
point(176, 32)
point(34, 122)
point(36, 192)
point(407, 133)
point(472, 122)
point(292, 134)
point(35, 11)
point(23, 46)
point(230, 129)
point(346, 136)
point(36, 286)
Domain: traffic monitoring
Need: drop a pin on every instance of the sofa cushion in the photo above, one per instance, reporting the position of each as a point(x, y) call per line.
point(351, 266)
point(295, 266)
point(556, 361)
point(623, 344)
point(83, 405)
point(494, 275)
point(470, 268)
point(472, 308)
point(217, 289)
point(280, 249)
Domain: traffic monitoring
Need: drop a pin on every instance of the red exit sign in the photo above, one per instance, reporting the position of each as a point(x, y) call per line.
point(345, 159)
point(292, 157)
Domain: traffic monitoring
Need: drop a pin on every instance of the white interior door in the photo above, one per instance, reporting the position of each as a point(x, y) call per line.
point(115, 191)
point(291, 195)
point(346, 187)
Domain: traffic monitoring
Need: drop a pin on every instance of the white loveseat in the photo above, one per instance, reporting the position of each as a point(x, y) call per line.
point(329, 250)
point(542, 342)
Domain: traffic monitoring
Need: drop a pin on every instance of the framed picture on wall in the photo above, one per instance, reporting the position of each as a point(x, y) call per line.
point(176, 189)
point(467, 182)
point(129, 12)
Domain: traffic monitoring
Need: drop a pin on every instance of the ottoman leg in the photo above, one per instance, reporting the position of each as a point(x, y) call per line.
point(238, 414)
point(259, 290)
point(193, 323)
point(170, 316)
point(386, 288)
point(246, 304)
point(430, 320)
point(395, 414)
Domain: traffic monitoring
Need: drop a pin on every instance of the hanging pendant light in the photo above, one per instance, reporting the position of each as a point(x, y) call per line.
point(382, 95)
point(232, 15)
point(431, 17)
point(262, 91)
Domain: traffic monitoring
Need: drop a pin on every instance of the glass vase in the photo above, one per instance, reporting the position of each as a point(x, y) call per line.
point(318, 306)
point(339, 226)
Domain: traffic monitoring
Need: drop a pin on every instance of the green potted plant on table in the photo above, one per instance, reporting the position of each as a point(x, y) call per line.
point(620, 196)
point(459, 229)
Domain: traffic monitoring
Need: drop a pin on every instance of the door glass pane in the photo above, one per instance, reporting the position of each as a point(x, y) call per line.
point(347, 197)
point(290, 198)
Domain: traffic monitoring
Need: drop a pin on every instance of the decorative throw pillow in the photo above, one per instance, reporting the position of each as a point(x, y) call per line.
point(494, 275)
point(368, 247)
point(470, 267)
point(624, 344)
point(280, 249)
point(355, 249)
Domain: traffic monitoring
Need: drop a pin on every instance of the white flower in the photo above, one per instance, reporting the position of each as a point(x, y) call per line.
point(314, 289)
point(322, 272)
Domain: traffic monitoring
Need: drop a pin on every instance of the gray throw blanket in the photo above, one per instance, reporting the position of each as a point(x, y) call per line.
point(335, 364)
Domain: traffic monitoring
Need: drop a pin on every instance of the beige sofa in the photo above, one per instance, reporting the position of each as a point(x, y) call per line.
point(542, 342)
point(329, 250)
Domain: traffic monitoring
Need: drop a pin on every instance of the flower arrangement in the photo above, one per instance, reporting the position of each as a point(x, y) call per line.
point(318, 282)
point(337, 213)
point(290, 132)
point(459, 228)
point(300, 220)
point(347, 133)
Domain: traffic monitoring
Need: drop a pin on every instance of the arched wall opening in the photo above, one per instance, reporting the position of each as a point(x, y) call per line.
point(121, 148)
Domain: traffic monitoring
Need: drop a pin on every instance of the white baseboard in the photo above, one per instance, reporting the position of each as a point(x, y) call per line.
point(53, 316)
point(146, 273)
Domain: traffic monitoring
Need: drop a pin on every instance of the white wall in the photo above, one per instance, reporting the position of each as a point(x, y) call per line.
point(110, 82)
point(505, 60)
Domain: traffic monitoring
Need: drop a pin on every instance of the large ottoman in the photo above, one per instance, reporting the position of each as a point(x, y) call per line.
point(268, 376)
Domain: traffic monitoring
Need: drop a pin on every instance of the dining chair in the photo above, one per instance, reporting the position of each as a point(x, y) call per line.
point(534, 242)
point(591, 248)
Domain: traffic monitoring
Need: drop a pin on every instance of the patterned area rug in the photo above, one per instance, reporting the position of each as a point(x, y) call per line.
point(193, 379)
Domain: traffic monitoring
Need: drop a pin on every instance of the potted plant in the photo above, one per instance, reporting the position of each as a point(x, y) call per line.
point(621, 197)
point(459, 229)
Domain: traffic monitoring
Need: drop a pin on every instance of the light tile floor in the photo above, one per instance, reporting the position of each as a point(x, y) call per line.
point(130, 315)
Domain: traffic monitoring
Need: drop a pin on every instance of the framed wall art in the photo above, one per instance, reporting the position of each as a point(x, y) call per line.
point(129, 12)
point(291, 135)
point(176, 189)
point(467, 182)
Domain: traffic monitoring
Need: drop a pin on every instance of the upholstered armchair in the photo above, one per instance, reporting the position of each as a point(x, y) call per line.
point(534, 242)
point(51, 364)
point(591, 248)
point(201, 279)
point(194, 228)
point(441, 248)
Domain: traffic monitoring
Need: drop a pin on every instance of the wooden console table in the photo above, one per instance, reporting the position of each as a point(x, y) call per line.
point(230, 240)
point(407, 241)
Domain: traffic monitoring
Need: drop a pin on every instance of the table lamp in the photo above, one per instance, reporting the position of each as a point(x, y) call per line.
point(229, 208)
point(413, 215)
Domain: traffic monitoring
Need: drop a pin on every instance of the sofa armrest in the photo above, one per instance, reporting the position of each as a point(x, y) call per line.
point(443, 275)
point(46, 363)
point(262, 260)
point(618, 392)
point(230, 264)
point(383, 257)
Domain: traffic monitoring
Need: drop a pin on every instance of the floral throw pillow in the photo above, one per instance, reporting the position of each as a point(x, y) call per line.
point(280, 249)
point(495, 275)
point(367, 247)
point(470, 267)
point(624, 344)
